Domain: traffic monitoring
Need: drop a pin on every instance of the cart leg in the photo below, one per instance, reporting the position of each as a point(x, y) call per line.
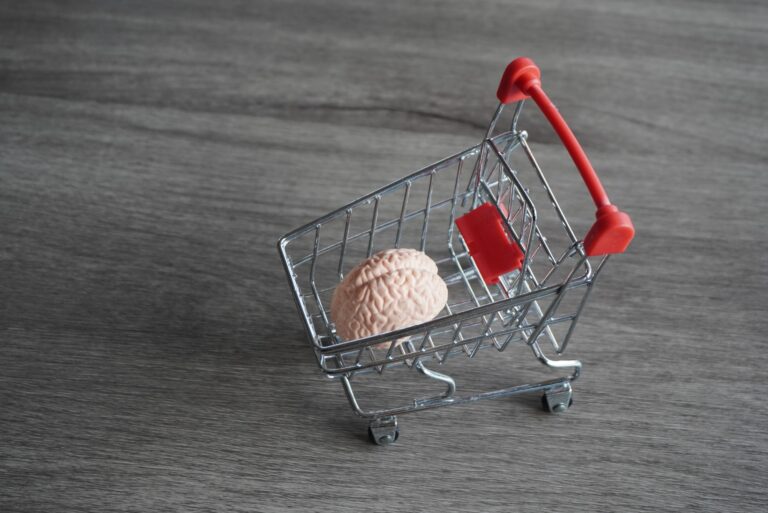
point(558, 398)
point(439, 376)
point(384, 430)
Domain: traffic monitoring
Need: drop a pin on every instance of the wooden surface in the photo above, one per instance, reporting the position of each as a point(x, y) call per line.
point(151, 154)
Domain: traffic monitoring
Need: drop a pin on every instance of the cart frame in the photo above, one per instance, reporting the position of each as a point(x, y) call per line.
point(525, 305)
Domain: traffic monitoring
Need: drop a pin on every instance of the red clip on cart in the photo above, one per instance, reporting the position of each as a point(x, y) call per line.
point(516, 271)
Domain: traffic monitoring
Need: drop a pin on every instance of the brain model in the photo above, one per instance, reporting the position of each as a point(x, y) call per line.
point(393, 289)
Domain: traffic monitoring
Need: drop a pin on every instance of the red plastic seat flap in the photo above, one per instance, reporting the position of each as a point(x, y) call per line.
point(494, 253)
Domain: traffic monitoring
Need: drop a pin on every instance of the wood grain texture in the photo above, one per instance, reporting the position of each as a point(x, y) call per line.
point(152, 153)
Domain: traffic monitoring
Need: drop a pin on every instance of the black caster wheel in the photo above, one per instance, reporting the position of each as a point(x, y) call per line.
point(384, 439)
point(557, 407)
point(384, 430)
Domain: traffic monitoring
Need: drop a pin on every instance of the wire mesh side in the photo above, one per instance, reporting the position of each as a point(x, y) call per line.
point(495, 323)
point(415, 212)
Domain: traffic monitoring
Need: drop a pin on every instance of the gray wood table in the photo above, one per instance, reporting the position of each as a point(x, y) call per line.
point(151, 154)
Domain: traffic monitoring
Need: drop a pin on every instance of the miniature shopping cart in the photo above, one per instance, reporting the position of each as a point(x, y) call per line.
point(515, 270)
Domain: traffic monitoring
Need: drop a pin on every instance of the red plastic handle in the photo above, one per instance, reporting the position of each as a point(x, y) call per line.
point(613, 230)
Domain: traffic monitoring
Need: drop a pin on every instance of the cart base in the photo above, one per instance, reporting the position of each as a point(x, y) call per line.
point(383, 429)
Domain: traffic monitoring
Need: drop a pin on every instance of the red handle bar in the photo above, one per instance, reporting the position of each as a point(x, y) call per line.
point(613, 230)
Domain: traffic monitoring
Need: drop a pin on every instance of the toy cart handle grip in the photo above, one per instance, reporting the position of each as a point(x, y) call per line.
point(613, 230)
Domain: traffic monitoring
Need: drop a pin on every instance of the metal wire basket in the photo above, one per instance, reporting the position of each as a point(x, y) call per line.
point(535, 299)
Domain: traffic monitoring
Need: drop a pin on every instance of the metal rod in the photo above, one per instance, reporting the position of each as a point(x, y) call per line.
point(374, 218)
point(427, 209)
point(402, 213)
point(344, 244)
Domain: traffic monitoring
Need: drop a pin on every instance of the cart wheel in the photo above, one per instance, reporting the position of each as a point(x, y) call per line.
point(384, 439)
point(557, 400)
point(556, 408)
point(384, 431)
